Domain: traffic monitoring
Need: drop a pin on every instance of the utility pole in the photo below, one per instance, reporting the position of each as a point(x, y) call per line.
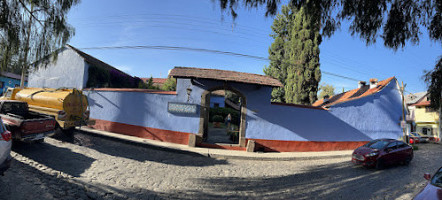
point(440, 117)
point(403, 122)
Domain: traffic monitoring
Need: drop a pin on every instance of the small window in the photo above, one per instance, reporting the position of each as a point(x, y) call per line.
point(428, 109)
point(401, 144)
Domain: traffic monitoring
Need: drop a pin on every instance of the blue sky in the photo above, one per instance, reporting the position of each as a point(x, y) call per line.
point(201, 24)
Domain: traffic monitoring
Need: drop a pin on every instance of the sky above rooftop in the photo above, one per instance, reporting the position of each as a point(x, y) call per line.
point(201, 24)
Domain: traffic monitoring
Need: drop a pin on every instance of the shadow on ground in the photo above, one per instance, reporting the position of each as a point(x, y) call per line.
point(57, 158)
point(139, 152)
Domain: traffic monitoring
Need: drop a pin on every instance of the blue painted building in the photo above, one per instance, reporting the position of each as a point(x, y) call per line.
point(8, 79)
point(337, 124)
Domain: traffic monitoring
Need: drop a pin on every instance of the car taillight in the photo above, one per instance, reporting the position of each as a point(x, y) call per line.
point(61, 115)
point(411, 141)
point(6, 136)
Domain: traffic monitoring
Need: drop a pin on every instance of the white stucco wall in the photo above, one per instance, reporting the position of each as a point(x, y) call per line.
point(68, 70)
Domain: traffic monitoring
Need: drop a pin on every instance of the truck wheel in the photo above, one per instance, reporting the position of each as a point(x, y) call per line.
point(40, 140)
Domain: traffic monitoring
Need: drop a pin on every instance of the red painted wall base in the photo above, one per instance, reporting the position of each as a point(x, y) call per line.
point(142, 132)
point(304, 146)
point(260, 145)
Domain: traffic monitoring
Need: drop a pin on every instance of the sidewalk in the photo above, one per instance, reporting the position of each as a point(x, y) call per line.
point(222, 153)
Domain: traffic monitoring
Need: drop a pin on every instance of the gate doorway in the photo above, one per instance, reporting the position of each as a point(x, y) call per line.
point(223, 119)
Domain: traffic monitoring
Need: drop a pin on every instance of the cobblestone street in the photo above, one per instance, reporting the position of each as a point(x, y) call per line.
point(98, 168)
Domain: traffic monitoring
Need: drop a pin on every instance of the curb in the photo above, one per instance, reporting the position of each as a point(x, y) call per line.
point(217, 153)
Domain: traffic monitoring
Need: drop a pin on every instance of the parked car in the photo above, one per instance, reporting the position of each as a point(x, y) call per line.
point(415, 138)
point(422, 138)
point(5, 148)
point(433, 189)
point(23, 124)
point(382, 152)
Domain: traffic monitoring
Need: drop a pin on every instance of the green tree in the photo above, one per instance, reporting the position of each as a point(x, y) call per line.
point(395, 22)
point(169, 85)
point(294, 56)
point(32, 29)
point(150, 83)
point(326, 89)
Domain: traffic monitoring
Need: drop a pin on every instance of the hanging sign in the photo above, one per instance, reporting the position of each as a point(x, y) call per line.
point(182, 108)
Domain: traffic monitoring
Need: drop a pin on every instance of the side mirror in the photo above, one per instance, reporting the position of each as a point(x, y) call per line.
point(427, 176)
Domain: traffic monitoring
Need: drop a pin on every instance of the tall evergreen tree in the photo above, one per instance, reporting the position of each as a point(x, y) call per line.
point(294, 56)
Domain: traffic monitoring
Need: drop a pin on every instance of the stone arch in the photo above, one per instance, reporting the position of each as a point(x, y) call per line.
point(204, 114)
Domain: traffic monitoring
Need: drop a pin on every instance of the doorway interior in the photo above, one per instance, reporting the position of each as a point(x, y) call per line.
point(224, 121)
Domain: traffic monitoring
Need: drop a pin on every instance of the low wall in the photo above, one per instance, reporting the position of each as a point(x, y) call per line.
point(273, 126)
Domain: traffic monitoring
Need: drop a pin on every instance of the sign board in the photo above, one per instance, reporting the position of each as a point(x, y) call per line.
point(182, 108)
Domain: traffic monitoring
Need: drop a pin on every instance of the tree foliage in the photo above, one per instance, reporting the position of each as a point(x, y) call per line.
point(434, 81)
point(294, 56)
point(326, 90)
point(32, 29)
point(396, 22)
point(169, 85)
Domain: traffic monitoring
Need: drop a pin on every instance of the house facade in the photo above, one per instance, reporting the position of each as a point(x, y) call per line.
point(8, 80)
point(76, 69)
point(182, 116)
point(426, 118)
point(375, 109)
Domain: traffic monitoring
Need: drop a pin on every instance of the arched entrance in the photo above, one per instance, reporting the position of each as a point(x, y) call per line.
point(208, 130)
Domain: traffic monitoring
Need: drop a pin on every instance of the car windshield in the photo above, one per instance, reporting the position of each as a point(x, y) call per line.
point(414, 134)
point(437, 178)
point(377, 144)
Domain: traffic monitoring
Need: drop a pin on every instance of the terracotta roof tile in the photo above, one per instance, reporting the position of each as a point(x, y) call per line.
point(422, 103)
point(353, 94)
point(156, 81)
point(216, 74)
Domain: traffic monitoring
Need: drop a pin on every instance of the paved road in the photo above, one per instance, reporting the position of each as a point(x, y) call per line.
point(98, 168)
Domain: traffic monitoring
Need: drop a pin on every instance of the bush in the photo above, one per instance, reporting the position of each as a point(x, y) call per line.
point(224, 112)
point(217, 118)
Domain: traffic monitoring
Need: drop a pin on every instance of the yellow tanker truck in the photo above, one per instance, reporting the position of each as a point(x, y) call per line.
point(68, 106)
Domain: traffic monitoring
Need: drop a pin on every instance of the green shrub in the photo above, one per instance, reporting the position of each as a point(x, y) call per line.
point(415, 147)
point(217, 118)
point(224, 112)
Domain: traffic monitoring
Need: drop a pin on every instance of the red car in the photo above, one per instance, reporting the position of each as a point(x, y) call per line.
point(433, 190)
point(382, 152)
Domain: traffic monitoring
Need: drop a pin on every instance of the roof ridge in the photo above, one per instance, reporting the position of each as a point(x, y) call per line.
point(92, 57)
point(362, 95)
point(223, 70)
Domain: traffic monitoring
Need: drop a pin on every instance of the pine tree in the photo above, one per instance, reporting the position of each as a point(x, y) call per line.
point(294, 56)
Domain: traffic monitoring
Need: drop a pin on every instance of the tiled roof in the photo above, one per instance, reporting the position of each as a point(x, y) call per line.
point(156, 81)
point(224, 75)
point(353, 94)
point(422, 103)
point(13, 76)
point(414, 98)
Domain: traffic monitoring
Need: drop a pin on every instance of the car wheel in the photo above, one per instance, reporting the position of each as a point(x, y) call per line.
point(407, 160)
point(380, 164)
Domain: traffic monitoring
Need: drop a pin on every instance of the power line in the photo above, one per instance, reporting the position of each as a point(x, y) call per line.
point(176, 48)
point(179, 48)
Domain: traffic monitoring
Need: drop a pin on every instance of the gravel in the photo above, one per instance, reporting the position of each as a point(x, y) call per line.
point(90, 167)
